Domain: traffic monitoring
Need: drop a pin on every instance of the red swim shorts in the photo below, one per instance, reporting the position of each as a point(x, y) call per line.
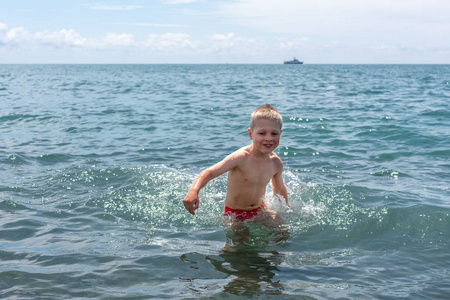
point(241, 214)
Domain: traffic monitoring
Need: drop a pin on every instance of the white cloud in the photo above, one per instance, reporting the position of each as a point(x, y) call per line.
point(170, 41)
point(231, 45)
point(223, 42)
point(62, 38)
point(19, 37)
point(13, 36)
point(316, 32)
point(344, 18)
point(123, 39)
point(292, 43)
point(223, 37)
point(115, 7)
point(348, 31)
point(17, 34)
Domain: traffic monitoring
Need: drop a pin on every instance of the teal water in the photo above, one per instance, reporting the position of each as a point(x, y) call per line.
point(95, 160)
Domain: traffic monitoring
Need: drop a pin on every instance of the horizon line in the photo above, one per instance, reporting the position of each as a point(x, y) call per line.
point(161, 63)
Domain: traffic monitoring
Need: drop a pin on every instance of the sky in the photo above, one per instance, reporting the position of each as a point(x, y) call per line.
point(225, 31)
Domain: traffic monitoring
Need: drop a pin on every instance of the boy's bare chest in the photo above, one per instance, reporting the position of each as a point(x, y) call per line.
point(255, 172)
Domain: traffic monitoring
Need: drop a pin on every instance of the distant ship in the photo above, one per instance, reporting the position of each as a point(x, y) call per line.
point(293, 62)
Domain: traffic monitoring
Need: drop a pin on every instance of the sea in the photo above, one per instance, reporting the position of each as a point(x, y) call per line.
point(95, 161)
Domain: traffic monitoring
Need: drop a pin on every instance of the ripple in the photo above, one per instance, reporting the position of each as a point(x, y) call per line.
point(95, 160)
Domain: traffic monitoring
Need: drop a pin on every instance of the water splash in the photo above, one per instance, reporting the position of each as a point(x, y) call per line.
point(153, 195)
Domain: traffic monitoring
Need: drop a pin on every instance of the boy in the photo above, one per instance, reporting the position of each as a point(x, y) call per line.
point(249, 169)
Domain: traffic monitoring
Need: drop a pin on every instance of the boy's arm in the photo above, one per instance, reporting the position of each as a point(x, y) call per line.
point(278, 186)
point(191, 201)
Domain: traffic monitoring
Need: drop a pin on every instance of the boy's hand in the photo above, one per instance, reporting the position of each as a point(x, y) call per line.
point(191, 202)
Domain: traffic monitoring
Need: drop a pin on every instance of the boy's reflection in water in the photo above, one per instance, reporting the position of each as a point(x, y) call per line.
point(247, 257)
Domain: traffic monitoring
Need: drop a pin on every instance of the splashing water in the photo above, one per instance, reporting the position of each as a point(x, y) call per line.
point(152, 196)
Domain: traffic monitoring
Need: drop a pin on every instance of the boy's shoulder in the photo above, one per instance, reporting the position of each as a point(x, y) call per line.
point(241, 152)
point(276, 159)
point(240, 155)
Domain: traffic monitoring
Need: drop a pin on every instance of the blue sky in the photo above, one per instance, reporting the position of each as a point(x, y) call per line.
point(233, 31)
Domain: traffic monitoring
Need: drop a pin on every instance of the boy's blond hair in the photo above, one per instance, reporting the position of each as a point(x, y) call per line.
point(265, 111)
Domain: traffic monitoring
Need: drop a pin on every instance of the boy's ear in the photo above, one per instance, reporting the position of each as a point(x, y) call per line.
point(250, 134)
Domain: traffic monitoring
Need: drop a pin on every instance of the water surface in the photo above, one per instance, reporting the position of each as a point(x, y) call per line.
point(95, 160)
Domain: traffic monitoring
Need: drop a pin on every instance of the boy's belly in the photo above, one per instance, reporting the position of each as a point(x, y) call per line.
point(244, 202)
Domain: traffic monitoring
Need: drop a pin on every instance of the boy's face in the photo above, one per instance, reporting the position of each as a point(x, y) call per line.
point(265, 135)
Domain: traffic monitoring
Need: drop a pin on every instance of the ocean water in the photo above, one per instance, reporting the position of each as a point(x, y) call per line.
point(96, 159)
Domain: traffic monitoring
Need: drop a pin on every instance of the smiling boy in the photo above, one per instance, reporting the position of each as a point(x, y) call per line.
point(249, 169)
